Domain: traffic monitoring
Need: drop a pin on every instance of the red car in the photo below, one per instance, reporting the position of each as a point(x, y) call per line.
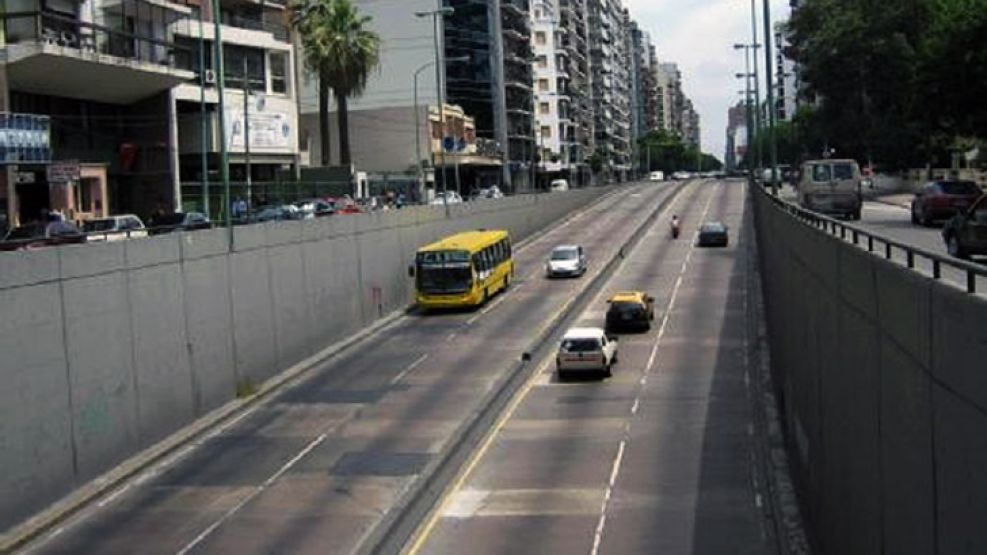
point(37, 235)
point(941, 200)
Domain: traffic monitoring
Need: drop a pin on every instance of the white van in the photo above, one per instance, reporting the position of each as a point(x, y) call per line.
point(831, 187)
point(114, 228)
point(559, 185)
point(656, 176)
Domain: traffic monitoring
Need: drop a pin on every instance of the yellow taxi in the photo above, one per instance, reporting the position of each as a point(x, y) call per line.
point(630, 310)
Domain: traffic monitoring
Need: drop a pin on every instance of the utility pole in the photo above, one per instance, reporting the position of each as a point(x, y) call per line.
point(224, 156)
point(438, 31)
point(771, 99)
point(246, 130)
point(757, 90)
point(202, 115)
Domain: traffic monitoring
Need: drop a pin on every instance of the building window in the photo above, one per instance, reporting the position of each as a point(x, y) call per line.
point(543, 85)
point(546, 132)
point(542, 61)
point(540, 38)
point(543, 108)
point(279, 72)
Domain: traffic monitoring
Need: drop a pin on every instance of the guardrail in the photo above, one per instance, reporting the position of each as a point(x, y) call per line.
point(876, 243)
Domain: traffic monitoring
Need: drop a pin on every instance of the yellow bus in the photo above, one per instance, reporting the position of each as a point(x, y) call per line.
point(463, 270)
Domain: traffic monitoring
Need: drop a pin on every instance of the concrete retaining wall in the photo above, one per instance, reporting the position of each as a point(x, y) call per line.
point(108, 348)
point(883, 375)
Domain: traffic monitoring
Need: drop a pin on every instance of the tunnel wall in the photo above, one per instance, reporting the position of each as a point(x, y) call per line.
point(108, 348)
point(883, 377)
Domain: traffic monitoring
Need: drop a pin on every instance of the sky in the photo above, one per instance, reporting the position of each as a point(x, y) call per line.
point(699, 36)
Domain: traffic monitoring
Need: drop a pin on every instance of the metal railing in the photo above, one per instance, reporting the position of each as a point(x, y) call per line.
point(57, 29)
point(880, 245)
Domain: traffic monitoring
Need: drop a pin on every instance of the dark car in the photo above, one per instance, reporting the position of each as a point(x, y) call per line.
point(179, 221)
point(630, 311)
point(714, 234)
point(941, 200)
point(42, 234)
point(966, 233)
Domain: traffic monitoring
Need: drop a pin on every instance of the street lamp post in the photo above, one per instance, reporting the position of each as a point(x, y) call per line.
point(757, 87)
point(438, 35)
point(418, 133)
point(751, 115)
point(771, 99)
point(224, 158)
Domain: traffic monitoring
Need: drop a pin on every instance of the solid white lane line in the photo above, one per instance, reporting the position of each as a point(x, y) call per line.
point(614, 473)
point(409, 368)
point(253, 494)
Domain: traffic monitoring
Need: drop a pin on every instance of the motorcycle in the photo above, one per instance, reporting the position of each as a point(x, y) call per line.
point(675, 229)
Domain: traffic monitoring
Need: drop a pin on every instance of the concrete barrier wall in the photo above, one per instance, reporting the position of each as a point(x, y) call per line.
point(883, 376)
point(108, 348)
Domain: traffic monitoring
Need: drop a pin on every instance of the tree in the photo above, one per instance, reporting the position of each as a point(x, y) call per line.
point(341, 49)
point(665, 151)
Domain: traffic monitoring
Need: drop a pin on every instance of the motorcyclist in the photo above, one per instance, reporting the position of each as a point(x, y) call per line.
point(675, 226)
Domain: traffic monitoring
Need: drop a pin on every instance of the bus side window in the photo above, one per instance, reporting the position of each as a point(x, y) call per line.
point(507, 242)
point(499, 253)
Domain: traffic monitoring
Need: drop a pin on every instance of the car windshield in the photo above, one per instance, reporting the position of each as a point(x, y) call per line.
point(842, 171)
point(580, 345)
point(627, 308)
point(959, 188)
point(26, 232)
point(99, 225)
point(565, 254)
point(713, 228)
point(451, 280)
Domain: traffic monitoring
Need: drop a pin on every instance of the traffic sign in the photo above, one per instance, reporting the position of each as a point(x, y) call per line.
point(24, 138)
point(63, 171)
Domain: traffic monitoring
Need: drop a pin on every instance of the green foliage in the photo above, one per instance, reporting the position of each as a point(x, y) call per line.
point(339, 48)
point(897, 82)
point(665, 151)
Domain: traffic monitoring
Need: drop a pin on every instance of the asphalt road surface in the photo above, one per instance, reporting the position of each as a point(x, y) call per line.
point(656, 459)
point(318, 466)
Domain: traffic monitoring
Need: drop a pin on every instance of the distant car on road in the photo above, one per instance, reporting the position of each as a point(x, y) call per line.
point(179, 221)
point(966, 233)
point(940, 200)
point(566, 261)
point(630, 311)
point(831, 187)
point(448, 197)
point(586, 350)
point(680, 176)
point(315, 208)
point(714, 234)
point(656, 176)
point(42, 234)
point(114, 228)
point(559, 186)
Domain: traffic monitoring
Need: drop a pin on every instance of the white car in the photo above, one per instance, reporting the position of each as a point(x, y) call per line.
point(566, 261)
point(559, 186)
point(114, 228)
point(451, 197)
point(586, 350)
point(656, 176)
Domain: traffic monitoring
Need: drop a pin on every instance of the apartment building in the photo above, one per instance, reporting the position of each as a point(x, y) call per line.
point(610, 86)
point(130, 90)
point(786, 75)
point(575, 48)
point(259, 101)
point(103, 73)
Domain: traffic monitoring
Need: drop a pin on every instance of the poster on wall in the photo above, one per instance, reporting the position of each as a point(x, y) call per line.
point(269, 130)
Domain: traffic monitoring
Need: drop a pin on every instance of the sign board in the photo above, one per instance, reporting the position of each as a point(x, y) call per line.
point(63, 171)
point(268, 130)
point(24, 138)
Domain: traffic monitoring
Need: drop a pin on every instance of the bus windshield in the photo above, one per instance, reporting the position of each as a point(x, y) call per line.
point(444, 272)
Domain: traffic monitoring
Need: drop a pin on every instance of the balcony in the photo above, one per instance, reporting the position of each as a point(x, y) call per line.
point(53, 54)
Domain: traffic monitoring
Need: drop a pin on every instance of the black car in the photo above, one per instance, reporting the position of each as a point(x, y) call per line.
point(714, 234)
point(966, 233)
point(179, 221)
point(630, 311)
point(42, 234)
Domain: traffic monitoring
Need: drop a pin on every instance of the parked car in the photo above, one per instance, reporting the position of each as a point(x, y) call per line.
point(315, 208)
point(450, 197)
point(42, 234)
point(966, 233)
point(586, 350)
point(680, 176)
point(566, 261)
point(114, 228)
point(630, 310)
point(656, 176)
point(559, 186)
point(714, 234)
point(940, 200)
point(179, 221)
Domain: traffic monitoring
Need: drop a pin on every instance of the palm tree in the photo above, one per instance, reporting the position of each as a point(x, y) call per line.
point(342, 51)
